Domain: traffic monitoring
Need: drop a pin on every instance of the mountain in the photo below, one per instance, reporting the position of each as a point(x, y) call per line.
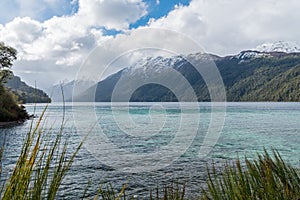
point(25, 93)
point(280, 46)
point(272, 74)
point(56, 90)
point(274, 77)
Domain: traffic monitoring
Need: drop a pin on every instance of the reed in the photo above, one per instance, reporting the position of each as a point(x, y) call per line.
point(267, 177)
point(41, 165)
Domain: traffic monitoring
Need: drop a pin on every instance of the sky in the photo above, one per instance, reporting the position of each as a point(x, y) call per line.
point(54, 37)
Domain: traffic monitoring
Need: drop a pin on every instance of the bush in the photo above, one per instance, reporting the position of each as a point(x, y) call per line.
point(9, 108)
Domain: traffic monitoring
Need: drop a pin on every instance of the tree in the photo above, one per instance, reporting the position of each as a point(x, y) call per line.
point(5, 75)
point(7, 56)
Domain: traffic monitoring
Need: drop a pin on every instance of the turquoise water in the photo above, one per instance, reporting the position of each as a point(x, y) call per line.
point(248, 128)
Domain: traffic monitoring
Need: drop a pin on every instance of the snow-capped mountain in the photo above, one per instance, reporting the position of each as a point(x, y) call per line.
point(239, 72)
point(280, 46)
point(268, 50)
point(244, 55)
point(153, 64)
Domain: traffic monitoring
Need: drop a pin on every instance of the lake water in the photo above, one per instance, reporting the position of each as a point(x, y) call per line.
point(175, 134)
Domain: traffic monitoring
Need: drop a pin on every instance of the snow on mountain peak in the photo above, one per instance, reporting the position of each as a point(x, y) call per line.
point(280, 46)
point(148, 64)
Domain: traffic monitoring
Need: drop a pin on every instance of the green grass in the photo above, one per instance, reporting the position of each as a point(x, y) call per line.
point(267, 177)
point(43, 164)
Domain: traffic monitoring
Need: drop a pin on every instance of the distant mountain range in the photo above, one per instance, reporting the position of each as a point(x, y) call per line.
point(270, 72)
point(64, 91)
point(56, 91)
point(25, 93)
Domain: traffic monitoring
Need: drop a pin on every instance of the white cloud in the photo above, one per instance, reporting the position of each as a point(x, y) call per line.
point(60, 35)
point(112, 14)
point(229, 26)
point(21, 30)
point(59, 44)
point(126, 49)
point(21, 33)
point(65, 40)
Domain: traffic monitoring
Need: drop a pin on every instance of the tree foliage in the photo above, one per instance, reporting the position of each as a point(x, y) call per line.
point(9, 108)
point(5, 75)
point(7, 56)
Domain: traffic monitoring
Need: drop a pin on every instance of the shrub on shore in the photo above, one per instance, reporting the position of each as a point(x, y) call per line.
point(9, 108)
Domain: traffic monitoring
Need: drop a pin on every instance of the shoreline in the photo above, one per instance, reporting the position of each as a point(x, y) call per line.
point(16, 122)
point(11, 123)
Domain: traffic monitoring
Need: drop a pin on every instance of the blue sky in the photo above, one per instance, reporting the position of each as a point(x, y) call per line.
point(44, 10)
point(158, 9)
point(37, 9)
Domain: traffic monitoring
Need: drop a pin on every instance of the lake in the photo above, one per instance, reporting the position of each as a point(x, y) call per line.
point(151, 144)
